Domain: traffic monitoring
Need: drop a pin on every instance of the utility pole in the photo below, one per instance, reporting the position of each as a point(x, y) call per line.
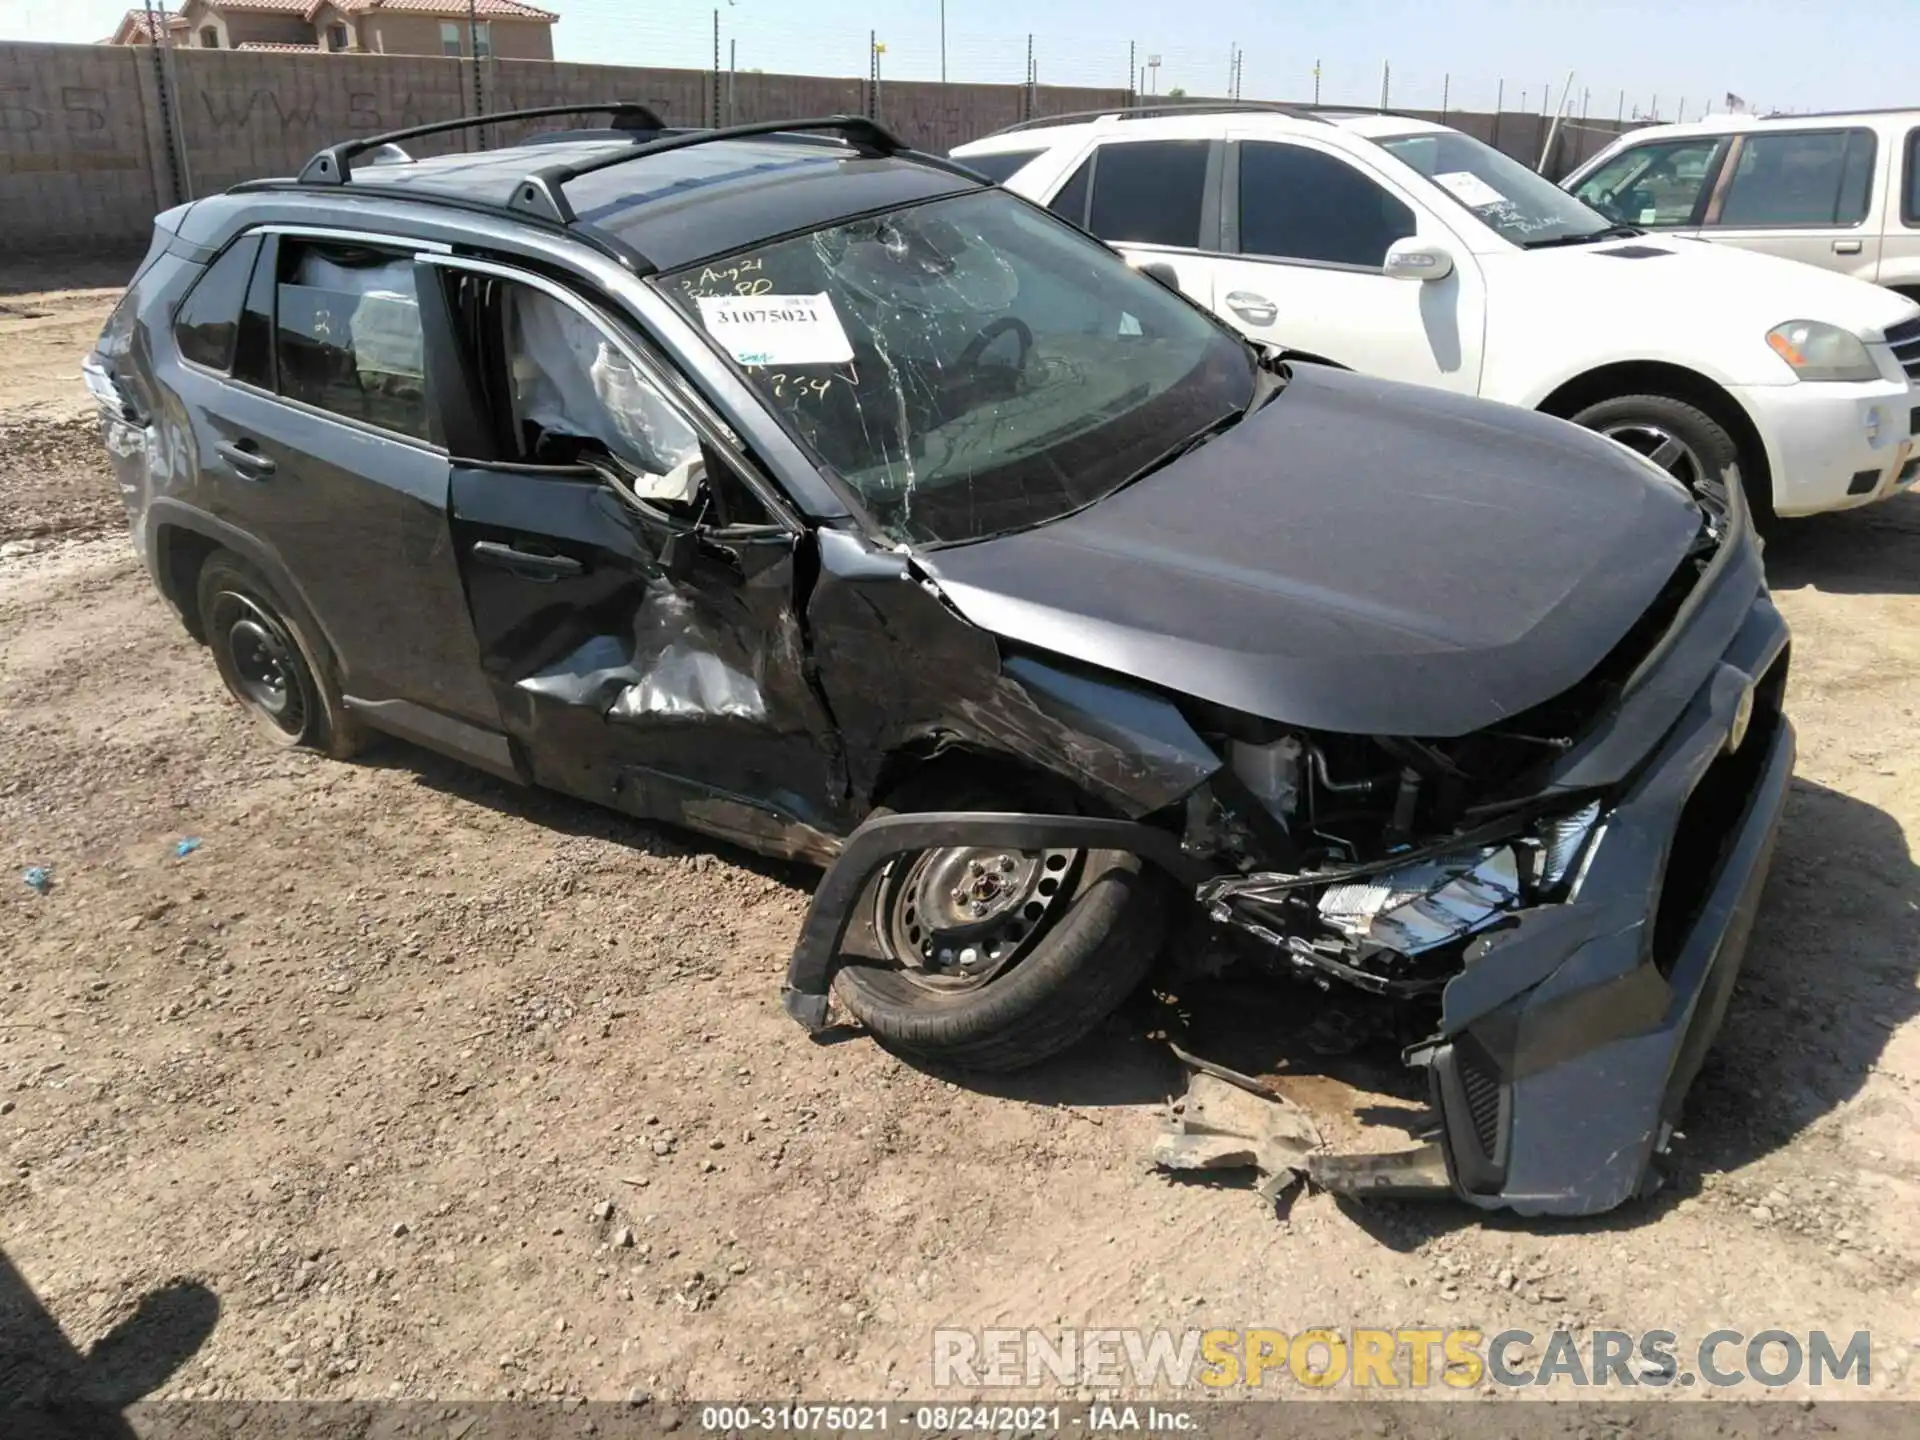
point(1446, 85)
point(1133, 91)
point(1586, 97)
point(733, 71)
point(943, 42)
point(1030, 77)
point(1386, 80)
point(1499, 109)
point(1621, 118)
point(1316, 82)
point(159, 38)
point(1681, 118)
point(473, 49)
point(714, 108)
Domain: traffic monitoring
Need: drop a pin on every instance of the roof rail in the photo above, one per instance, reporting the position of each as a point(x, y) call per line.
point(1148, 112)
point(1835, 114)
point(334, 164)
point(543, 193)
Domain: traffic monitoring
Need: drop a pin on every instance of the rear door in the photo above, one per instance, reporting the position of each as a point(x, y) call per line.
point(631, 575)
point(1309, 227)
point(316, 438)
point(1156, 201)
point(1803, 195)
point(1900, 234)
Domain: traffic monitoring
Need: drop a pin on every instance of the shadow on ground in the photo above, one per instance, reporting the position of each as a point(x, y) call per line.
point(1875, 551)
point(50, 1390)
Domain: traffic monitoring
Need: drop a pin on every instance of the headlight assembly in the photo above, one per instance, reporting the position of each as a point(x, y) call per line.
point(1819, 351)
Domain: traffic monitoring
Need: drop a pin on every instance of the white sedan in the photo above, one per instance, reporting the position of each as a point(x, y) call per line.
point(1409, 250)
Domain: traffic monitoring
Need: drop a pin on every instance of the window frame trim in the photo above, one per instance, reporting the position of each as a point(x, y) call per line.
point(1729, 163)
point(664, 377)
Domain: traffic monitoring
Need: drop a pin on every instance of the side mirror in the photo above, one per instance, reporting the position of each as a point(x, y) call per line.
point(1418, 260)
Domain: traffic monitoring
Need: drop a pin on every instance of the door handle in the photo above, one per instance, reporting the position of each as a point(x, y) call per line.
point(249, 463)
point(1252, 308)
point(1846, 247)
point(525, 563)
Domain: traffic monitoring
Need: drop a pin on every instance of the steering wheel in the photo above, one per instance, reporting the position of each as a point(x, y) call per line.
point(976, 347)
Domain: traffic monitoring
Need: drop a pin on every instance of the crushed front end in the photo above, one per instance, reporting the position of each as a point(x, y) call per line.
point(1567, 895)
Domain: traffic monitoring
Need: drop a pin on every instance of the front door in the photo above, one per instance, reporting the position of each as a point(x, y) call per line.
point(1307, 232)
point(632, 593)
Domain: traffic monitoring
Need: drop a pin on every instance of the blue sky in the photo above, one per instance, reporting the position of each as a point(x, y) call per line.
point(1784, 53)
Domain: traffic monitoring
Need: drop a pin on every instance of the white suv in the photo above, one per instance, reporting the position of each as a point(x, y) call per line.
point(1838, 191)
point(1409, 250)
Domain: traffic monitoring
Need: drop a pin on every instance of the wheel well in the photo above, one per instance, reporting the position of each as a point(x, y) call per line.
point(916, 772)
point(182, 553)
point(1649, 377)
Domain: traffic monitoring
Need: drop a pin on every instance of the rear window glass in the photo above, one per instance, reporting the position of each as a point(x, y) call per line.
point(1071, 202)
point(1149, 192)
point(999, 166)
point(1910, 202)
point(209, 318)
point(348, 336)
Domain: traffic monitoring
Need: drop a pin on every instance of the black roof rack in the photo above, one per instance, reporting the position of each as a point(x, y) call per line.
point(1148, 112)
point(543, 193)
point(541, 197)
point(334, 165)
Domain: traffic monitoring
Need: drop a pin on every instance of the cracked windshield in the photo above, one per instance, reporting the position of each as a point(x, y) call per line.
point(969, 366)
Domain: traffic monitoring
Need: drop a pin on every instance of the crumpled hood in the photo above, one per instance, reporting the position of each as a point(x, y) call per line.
point(1688, 282)
point(1359, 556)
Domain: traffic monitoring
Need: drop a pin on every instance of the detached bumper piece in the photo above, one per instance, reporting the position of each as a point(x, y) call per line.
point(1555, 1096)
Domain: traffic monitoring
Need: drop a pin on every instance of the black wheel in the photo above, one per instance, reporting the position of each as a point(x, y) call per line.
point(1681, 439)
point(270, 667)
point(994, 959)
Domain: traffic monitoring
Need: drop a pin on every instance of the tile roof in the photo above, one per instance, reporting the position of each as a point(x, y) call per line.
point(448, 9)
point(134, 26)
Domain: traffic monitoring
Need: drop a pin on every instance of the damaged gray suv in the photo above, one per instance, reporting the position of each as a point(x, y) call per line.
point(812, 493)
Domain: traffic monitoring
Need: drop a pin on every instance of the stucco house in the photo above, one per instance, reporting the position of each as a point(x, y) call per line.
point(505, 28)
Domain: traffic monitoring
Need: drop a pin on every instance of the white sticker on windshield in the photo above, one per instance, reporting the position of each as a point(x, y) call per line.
point(777, 329)
point(1469, 189)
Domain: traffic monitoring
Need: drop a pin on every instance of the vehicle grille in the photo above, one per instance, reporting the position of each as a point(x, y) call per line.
point(1905, 340)
point(1710, 820)
point(1481, 1081)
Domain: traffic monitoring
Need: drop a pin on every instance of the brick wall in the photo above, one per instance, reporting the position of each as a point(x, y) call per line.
point(90, 142)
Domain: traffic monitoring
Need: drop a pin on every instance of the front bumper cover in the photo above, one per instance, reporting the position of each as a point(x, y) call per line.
point(1572, 1034)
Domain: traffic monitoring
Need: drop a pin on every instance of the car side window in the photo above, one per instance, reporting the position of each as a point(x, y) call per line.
point(1804, 177)
point(999, 166)
point(1653, 184)
point(569, 394)
point(1910, 194)
point(1071, 202)
point(208, 322)
point(1149, 192)
point(347, 334)
point(1302, 204)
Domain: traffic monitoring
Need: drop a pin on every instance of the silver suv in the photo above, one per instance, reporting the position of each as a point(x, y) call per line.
point(1840, 191)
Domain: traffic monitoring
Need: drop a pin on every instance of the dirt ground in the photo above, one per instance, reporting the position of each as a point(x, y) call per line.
point(422, 1085)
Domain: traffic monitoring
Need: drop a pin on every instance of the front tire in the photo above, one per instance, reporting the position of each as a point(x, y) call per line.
point(269, 664)
point(1681, 439)
point(994, 960)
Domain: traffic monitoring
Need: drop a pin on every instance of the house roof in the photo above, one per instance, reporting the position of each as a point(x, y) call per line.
point(444, 9)
point(134, 30)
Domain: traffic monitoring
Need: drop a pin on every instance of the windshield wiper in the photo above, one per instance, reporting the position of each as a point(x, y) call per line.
point(1192, 443)
point(1611, 232)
